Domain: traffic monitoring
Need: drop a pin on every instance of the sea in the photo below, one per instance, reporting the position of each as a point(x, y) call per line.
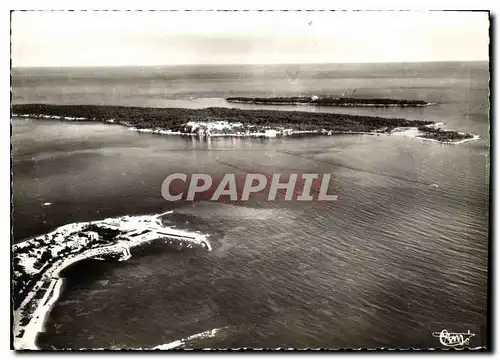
point(401, 255)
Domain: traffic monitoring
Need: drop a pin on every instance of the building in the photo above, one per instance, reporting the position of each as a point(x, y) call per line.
point(270, 133)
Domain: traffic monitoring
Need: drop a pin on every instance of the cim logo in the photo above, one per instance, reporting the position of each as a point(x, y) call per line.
point(453, 339)
point(242, 187)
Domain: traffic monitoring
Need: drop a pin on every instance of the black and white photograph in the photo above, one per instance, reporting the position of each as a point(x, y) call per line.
point(272, 180)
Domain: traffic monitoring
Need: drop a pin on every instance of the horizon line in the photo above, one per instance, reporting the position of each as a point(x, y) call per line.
point(243, 64)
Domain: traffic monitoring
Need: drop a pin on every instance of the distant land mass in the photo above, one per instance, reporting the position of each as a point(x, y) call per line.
point(329, 101)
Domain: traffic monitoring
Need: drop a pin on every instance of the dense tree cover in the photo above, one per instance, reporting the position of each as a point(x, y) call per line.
point(107, 235)
point(42, 260)
point(442, 135)
point(175, 118)
point(329, 100)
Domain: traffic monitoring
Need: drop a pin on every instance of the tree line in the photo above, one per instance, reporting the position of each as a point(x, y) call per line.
point(175, 118)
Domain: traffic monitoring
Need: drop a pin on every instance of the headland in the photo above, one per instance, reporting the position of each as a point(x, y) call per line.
point(38, 262)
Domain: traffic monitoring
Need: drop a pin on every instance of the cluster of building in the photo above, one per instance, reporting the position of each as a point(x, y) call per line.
point(45, 256)
point(78, 237)
point(54, 117)
point(220, 128)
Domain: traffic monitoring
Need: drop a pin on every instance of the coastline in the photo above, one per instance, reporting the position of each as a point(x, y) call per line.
point(393, 133)
point(297, 103)
point(25, 336)
point(170, 132)
point(415, 133)
point(256, 134)
point(40, 315)
point(228, 122)
point(329, 100)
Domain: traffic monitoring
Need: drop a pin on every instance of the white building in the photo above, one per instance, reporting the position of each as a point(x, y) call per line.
point(270, 133)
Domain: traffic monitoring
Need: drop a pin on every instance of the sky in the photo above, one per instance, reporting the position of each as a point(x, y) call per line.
point(157, 38)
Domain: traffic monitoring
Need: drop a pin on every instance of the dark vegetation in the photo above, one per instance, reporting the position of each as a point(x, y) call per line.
point(330, 101)
point(174, 119)
point(23, 283)
point(107, 236)
point(442, 135)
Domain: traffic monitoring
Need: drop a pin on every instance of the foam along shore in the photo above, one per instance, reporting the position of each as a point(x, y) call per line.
point(414, 132)
point(177, 343)
point(210, 129)
point(217, 121)
point(30, 316)
point(171, 345)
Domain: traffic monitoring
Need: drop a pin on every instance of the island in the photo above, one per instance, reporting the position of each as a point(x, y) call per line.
point(37, 263)
point(341, 101)
point(216, 121)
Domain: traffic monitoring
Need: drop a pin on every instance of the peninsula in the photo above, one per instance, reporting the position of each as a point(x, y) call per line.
point(38, 262)
point(235, 122)
point(329, 101)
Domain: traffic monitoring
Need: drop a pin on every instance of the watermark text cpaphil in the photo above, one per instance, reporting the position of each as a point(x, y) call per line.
point(238, 187)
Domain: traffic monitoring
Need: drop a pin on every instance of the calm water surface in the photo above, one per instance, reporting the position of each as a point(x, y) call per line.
point(401, 254)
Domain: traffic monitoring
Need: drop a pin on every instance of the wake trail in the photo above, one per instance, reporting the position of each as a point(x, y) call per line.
point(175, 344)
point(233, 166)
point(359, 169)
